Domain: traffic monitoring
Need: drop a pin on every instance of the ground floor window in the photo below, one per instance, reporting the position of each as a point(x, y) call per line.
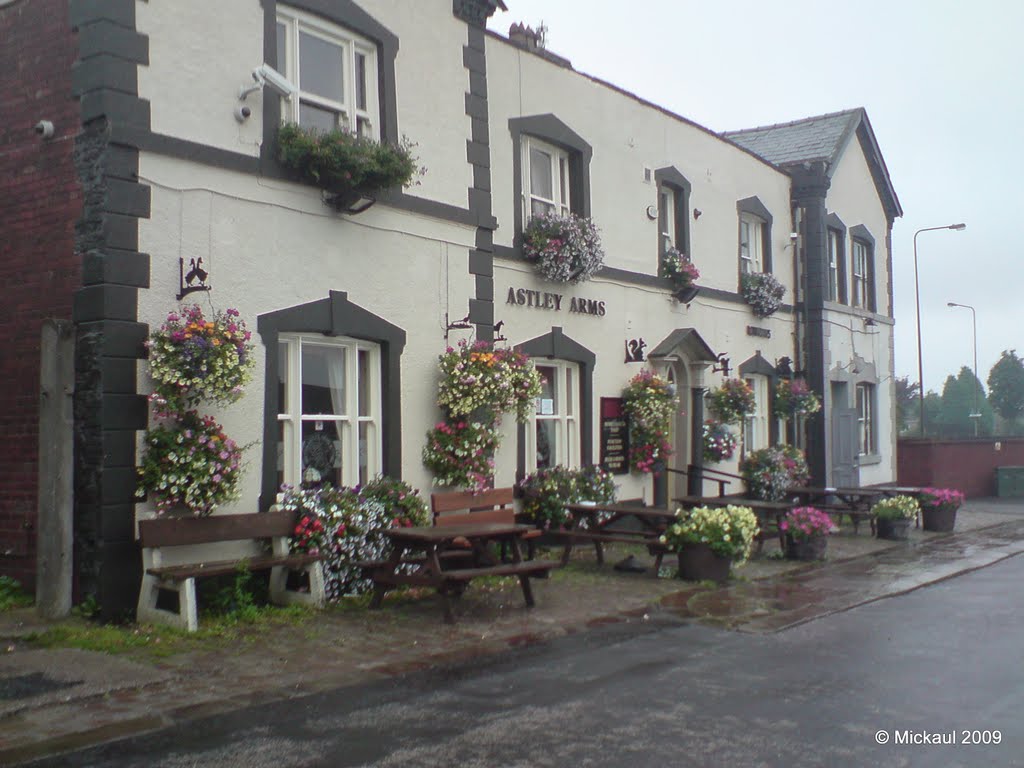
point(329, 395)
point(755, 426)
point(866, 419)
point(553, 434)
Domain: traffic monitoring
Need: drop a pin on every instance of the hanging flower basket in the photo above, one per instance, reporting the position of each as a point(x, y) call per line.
point(795, 398)
point(770, 472)
point(681, 271)
point(547, 491)
point(190, 464)
point(563, 249)
point(732, 402)
point(479, 378)
point(650, 403)
point(193, 358)
point(719, 442)
point(762, 292)
point(346, 166)
point(461, 454)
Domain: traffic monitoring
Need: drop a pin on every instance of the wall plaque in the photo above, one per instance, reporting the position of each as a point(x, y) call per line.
point(614, 436)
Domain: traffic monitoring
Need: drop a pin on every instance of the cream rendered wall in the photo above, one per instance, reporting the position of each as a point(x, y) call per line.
point(853, 197)
point(627, 135)
point(269, 245)
point(201, 54)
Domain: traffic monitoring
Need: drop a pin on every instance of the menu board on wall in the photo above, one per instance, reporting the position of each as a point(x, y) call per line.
point(614, 436)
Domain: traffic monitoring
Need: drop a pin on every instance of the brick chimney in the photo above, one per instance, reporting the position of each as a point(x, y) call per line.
point(525, 37)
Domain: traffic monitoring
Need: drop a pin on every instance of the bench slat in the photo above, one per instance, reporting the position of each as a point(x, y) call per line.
point(221, 567)
point(181, 531)
point(526, 568)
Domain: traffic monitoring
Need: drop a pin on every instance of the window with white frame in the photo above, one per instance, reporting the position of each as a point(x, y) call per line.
point(862, 287)
point(329, 396)
point(751, 243)
point(835, 265)
point(553, 434)
point(666, 219)
point(545, 178)
point(335, 71)
point(866, 419)
point(755, 425)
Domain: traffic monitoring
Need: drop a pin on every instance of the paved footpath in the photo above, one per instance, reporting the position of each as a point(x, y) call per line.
point(52, 701)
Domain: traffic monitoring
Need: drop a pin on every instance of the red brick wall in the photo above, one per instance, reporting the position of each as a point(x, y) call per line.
point(40, 201)
point(968, 465)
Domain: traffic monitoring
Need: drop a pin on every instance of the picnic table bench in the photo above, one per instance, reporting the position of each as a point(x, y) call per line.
point(418, 558)
point(854, 503)
point(592, 522)
point(164, 539)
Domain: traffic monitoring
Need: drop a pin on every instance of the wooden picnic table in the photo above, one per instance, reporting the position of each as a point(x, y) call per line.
point(855, 503)
point(770, 514)
point(418, 558)
point(590, 522)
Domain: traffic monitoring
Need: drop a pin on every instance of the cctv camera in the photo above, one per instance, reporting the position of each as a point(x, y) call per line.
point(44, 128)
point(267, 76)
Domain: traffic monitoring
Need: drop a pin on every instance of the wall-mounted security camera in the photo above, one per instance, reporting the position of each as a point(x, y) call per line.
point(266, 76)
point(794, 235)
point(242, 113)
point(44, 128)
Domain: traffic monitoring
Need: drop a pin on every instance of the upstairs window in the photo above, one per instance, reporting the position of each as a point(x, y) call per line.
point(863, 276)
point(335, 71)
point(545, 178)
point(836, 268)
point(751, 244)
point(666, 219)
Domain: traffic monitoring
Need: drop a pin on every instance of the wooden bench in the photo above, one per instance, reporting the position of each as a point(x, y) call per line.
point(466, 507)
point(158, 536)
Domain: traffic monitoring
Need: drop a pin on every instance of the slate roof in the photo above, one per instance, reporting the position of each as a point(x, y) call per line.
point(813, 138)
point(822, 138)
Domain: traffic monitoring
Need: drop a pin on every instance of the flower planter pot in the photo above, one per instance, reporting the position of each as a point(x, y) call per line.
point(687, 294)
point(697, 562)
point(894, 530)
point(806, 549)
point(940, 519)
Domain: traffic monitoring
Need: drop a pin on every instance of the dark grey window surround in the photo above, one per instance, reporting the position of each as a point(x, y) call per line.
point(758, 366)
point(835, 224)
point(755, 207)
point(672, 178)
point(863, 234)
point(557, 346)
point(552, 130)
point(333, 316)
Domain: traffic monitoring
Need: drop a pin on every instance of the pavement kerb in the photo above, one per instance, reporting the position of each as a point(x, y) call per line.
point(176, 713)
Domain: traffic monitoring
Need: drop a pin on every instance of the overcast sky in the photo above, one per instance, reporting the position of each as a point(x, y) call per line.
point(943, 85)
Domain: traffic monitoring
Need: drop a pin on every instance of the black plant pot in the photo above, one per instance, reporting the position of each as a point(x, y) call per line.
point(894, 530)
point(687, 294)
point(939, 519)
point(697, 562)
point(806, 549)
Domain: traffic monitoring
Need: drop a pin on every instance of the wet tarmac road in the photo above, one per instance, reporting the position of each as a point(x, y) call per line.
point(942, 663)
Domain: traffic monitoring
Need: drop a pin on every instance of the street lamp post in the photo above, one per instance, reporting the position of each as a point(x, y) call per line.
point(917, 300)
point(974, 324)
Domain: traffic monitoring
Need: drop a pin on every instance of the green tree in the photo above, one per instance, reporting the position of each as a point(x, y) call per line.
point(1006, 386)
point(959, 395)
point(907, 402)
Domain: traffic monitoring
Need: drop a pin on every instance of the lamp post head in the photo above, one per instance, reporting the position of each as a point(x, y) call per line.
point(957, 227)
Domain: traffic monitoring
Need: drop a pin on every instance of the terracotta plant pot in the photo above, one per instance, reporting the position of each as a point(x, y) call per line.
point(697, 562)
point(806, 549)
point(894, 530)
point(940, 519)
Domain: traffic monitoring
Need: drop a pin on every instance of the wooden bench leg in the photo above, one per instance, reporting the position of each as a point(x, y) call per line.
point(379, 590)
point(599, 549)
point(446, 604)
point(657, 564)
point(524, 582)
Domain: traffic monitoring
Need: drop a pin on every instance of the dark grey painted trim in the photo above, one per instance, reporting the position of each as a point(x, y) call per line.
point(333, 316)
point(671, 177)
point(754, 207)
point(485, 288)
point(550, 129)
point(757, 366)
point(109, 338)
point(481, 263)
point(555, 345)
point(640, 279)
point(344, 13)
point(860, 232)
point(476, 12)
